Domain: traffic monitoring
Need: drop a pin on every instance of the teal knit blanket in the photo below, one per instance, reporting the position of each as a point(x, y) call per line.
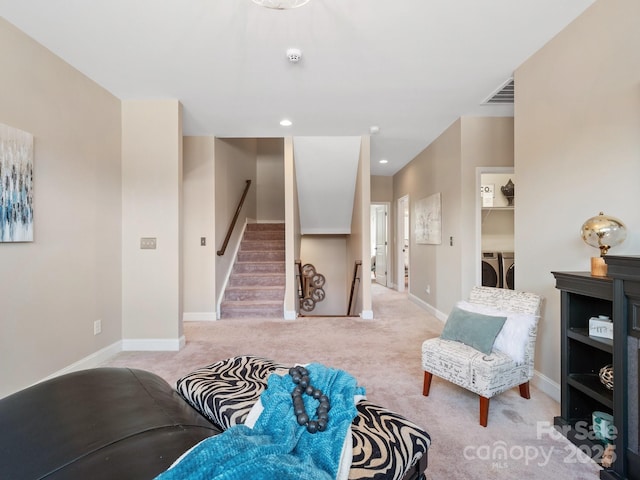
point(277, 448)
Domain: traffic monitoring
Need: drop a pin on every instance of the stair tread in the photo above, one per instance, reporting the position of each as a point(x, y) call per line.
point(259, 271)
point(258, 274)
point(279, 262)
point(255, 287)
point(247, 303)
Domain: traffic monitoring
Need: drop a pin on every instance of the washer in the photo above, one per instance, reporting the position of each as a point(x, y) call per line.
point(508, 270)
point(492, 269)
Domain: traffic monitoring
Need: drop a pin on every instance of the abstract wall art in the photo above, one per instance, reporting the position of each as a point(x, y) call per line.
point(429, 220)
point(16, 185)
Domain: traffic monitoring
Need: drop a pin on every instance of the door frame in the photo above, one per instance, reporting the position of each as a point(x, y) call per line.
point(387, 207)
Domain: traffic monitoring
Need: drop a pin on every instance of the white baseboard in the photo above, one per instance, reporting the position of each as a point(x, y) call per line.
point(366, 314)
point(290, 314)
point(153, 344)
point(546, 385)
point(199, 317)
point(433, 311)
point(91, 361)
point(98, 358)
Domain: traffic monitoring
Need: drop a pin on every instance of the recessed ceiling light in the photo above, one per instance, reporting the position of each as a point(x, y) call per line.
point(384, 161)
point(286, 123)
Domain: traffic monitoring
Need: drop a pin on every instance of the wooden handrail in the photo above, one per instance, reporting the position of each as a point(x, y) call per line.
point(298, 264)
point(352, 295)
point(235, 219)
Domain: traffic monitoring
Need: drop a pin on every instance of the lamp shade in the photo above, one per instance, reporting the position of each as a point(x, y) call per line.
point(603, 232)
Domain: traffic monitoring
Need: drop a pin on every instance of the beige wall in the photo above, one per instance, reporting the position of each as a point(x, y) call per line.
point(270, 180)
point(359, 242)
point(381, 189)
point(449, 166)
point(54, 288)
point(577, 152)
point(328, 254)
point(151, 207)
point(199, 221)
point(436, 267)
point(235, 163)
point(486, 142)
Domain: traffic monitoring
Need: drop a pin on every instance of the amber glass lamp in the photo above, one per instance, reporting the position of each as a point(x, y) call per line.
point(602, 232)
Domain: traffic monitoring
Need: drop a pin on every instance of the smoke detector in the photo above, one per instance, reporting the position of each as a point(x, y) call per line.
point(294, 55)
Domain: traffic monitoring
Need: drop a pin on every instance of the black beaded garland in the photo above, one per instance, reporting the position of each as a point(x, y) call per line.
point(300, 377)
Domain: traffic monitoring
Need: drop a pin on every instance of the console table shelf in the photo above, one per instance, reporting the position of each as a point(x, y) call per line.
point(591, 386)
point(582, 335)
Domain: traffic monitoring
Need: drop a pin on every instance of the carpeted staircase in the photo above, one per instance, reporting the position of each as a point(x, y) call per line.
point(257, 281)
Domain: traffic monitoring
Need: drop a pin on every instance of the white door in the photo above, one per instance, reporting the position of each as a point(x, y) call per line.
point(402, 244)
point(381, 244)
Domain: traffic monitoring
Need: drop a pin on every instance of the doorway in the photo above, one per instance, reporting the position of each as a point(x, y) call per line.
point(494, 228)
point(379, 242)
point(402, 244)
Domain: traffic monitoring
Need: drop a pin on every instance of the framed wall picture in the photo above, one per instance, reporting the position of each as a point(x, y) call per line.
point(16, 185)
point(429, 220)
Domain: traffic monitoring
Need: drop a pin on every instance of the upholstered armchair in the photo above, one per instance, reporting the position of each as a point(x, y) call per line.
point(500, 322)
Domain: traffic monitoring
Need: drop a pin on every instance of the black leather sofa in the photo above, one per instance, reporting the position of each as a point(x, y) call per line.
point(106, 423)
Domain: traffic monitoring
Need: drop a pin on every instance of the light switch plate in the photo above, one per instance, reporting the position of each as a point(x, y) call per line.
point(148, 243)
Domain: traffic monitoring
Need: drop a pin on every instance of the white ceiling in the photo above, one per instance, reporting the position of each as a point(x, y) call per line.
point(410, 67)
point(326, 173)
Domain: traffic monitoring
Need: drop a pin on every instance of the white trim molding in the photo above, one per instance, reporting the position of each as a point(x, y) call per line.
point(290, 314)
point(153, 344)
point(424, 305)
point(366, 314)
point(91, 361)
point(199, 317)
point(546, 385)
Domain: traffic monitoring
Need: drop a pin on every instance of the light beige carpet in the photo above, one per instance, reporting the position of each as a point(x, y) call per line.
point(384, 355)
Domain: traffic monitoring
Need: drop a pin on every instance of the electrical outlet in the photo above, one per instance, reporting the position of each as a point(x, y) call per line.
point(148, 243)
point(97, 327)
point(428, 289)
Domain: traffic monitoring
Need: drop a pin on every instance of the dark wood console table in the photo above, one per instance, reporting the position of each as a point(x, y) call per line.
point(617, 296)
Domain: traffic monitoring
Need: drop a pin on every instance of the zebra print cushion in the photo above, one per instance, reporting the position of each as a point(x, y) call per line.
point(225, 391)
point(385, 444)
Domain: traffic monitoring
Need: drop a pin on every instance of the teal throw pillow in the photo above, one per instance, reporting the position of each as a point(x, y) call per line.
point(474, 329)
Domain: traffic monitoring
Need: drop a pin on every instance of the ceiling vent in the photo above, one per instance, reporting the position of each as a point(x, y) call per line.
point(504, 94)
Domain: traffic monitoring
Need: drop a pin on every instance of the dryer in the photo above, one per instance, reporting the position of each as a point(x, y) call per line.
point(508, 270)
point(492, 275)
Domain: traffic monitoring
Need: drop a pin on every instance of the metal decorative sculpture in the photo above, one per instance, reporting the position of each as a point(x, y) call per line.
point(509, 191)
point(311, 284)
